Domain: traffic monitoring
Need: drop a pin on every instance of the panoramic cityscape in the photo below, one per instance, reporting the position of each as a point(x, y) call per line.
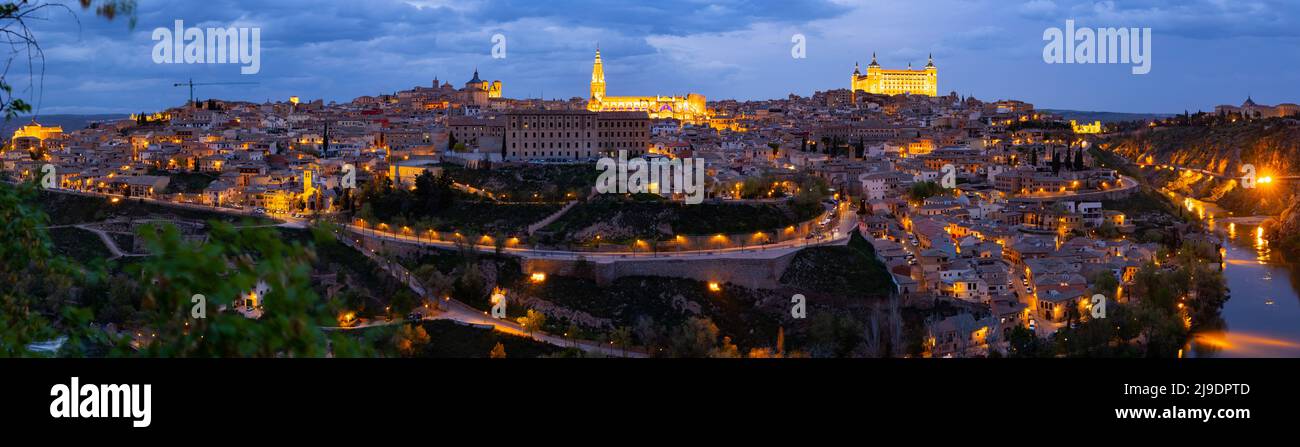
point(909, 209)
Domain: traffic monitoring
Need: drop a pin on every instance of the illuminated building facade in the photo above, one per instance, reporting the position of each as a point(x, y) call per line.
point(1253, 110)
point(688, 109)
point(480, 91)
point(896, 82)
point(1094, 128)
point(34, 136)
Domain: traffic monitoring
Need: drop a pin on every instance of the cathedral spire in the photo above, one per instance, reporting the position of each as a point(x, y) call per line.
point(931, 63)
point(597, 76)
point(873, 60)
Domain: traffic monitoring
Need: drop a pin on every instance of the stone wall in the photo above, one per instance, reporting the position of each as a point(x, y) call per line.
point(752, 272)
point(747, 272)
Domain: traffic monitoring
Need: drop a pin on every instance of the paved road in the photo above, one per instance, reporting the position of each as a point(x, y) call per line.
point(458, 311)
point(1125, 184)
point(108, 242)
point(1214, 174)
point(838, 236)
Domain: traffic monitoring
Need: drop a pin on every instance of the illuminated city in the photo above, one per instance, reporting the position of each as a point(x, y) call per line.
point(713, 189)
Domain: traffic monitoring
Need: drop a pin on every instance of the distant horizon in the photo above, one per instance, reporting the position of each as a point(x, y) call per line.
point(28, 117)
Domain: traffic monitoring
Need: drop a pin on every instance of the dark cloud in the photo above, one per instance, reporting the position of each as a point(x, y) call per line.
point(339, 49)
point(678, 17)
point(1196, 19)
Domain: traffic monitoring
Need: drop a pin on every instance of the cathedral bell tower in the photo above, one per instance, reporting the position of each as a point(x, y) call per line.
point(597, 78)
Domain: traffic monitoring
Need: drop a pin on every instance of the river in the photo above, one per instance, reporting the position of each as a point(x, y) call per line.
point(1262, 315)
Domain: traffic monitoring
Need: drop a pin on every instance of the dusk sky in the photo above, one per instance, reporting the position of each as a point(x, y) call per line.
point(1205, 52)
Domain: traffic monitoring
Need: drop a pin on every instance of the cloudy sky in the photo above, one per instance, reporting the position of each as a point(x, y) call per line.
point(1204, 52)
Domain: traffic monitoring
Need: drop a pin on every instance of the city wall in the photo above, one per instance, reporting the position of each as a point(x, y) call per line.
point(740, 268)
point(748, 272)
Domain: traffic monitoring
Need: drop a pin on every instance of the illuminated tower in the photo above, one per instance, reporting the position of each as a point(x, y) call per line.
point(308, 188)
point(931, 78)
point(853, 80)
point(597, 78)
point(873, 69)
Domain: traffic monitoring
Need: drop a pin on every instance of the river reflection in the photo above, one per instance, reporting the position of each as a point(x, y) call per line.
point(1262, 316)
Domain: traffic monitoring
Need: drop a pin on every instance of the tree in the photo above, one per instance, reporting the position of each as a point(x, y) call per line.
point(1155, 287)
point(402, 302)
point(696, 337)
point(780, 341)
point(1104, 282)
point(1109, 337)
point(924, 190)
point(894, 335)
point(409, 338)
point(241, 258)
point(572, 332)
point(435, 283)
point(1023, 343)
point(1108, 230)
point(622, 338)
point(834, 335)
point(433, 193)
point(470, 287)
point(32, 277)
point(726, 350)
point(1165, 334)
point(646, 331)
point(532, 321)
point(498, 351)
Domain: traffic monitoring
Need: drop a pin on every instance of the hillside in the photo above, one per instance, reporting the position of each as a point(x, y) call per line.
point(1105, 117)
point(1271, 145)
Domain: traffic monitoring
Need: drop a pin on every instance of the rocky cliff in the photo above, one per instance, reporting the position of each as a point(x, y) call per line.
point(1271, 145)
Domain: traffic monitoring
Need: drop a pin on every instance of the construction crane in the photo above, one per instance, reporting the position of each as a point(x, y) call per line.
point(191, 85)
